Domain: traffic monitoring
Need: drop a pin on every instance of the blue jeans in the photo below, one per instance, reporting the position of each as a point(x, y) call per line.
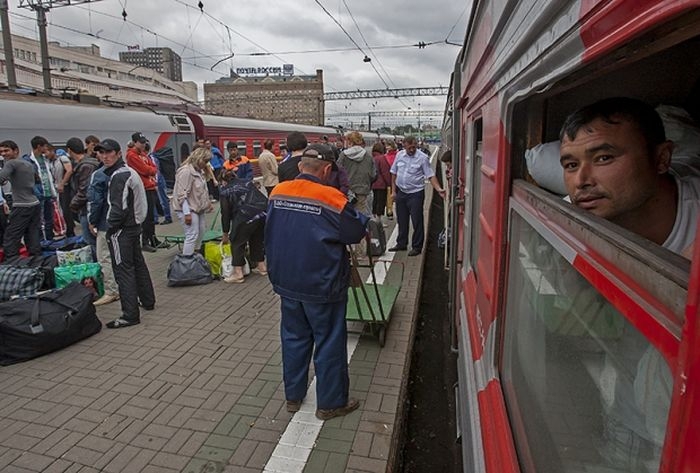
point(304, 325)
point(410, 206)
point(163, 199)
point(87, 236)
point(46, 204)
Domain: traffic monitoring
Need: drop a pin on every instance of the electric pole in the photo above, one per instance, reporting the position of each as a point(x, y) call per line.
point(41, 7)
point(7, 45)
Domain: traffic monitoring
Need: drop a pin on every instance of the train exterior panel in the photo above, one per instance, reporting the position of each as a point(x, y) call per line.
point(566, 324)
point(249, 134)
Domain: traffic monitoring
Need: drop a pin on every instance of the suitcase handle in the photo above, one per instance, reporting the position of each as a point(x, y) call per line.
point(35, 326)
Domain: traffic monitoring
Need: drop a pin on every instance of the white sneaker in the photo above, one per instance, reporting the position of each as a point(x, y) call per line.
point(106, 299)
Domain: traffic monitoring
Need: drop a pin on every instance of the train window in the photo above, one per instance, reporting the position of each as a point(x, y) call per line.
point(242, 151)
point(257, 148)
point(474, 184)
point(585, 390)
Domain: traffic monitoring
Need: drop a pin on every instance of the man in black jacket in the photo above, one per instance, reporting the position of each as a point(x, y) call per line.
point(289, 168)
point(85, 165)
point(127, 211)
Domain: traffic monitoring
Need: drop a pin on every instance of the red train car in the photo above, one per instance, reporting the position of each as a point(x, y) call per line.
point(578, 341)
point(249, 134)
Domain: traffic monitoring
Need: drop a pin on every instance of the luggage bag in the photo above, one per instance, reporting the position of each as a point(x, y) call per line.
point(35, 325)
point(189, 270)
point(377, 237)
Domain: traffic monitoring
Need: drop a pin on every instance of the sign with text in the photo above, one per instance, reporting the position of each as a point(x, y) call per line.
point(285, 70)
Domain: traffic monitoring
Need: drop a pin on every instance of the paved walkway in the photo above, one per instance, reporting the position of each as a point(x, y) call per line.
point(197, 387)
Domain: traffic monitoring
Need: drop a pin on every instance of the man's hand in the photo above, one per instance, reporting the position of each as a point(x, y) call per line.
point(188, 219)
point(6, 208)
point(92, 229)
point(60, 187)
point(224, 239)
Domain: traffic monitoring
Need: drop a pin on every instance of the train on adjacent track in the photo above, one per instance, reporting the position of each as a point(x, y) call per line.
point(23, 116)
point(578, 342)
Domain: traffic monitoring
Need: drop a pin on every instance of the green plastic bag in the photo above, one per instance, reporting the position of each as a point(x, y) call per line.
point(87, 274)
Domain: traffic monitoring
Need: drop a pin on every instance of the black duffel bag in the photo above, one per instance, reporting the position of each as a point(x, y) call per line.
point(189, 270)
point(35, 325)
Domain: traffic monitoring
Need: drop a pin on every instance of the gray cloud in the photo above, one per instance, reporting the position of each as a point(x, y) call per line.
point(283, 25)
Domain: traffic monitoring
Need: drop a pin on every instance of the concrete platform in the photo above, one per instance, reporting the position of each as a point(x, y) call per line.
point(197, 387)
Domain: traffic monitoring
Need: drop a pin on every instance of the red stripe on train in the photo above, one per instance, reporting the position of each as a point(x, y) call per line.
point(499, 449)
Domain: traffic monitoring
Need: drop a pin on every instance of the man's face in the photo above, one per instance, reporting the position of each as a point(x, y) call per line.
point(411, 149)
point(108, 158)
point(50, 153)
point(9, 153)
point(140, 145)
point(42, 149)
point(233, 153)
point(608, 170)
point(207, 144)
point(89, 147)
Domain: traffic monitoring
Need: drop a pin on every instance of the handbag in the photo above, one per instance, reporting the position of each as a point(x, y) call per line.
point(16, 281)
point(189, 270)
point(35, 325)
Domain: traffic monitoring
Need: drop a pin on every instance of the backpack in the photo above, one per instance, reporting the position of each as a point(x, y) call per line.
point(246, 199)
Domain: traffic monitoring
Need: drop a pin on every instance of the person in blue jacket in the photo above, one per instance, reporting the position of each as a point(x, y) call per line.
point(321, 223)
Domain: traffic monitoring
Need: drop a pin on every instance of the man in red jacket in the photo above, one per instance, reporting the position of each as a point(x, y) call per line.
point(138, 160)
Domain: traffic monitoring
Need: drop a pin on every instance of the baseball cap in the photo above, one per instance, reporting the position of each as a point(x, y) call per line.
point(75, 145)
point(108, 145)
point(319, 151)
point(138, 137)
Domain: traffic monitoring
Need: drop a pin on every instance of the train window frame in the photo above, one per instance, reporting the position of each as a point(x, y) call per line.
point(540, 330)
point(242, 147)
point(257, 148)
point(473, 167)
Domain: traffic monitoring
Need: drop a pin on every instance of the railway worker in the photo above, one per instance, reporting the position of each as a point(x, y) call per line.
point(617, 165)
point(408, 174)
point(289, 168)
point(191, 199)
point(268, 166)
point(239, 164)
point(44, 187)
point(85, 165)
point(359, 165)
point(138, 160)
point(90, 142)
point(127, 210)
point(322, 221)
point(62, 169)
point(25, 221)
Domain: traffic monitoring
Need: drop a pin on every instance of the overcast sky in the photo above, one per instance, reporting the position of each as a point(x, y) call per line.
point(285, 27)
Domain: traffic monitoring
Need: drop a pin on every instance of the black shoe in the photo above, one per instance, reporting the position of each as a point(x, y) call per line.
point(414, 252)
point(148, 248)
point(397, 248)
point(121, 323)
point(325, 414)
point(166, 221)
point(147, 307)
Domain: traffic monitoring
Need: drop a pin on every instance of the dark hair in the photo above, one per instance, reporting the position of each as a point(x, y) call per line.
point(231, 145)
point(611, 110)
point(9, 144)
point(296, 141)
point(74, 144)
point(268, 144)
point(91, 139)
point(38, 141)
point(409, 139)
point(378, 148)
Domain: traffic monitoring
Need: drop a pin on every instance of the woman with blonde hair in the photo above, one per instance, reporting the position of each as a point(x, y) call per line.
point(191, 197)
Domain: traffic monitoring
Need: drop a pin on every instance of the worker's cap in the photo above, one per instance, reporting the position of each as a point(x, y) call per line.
point(138, 137)
point(108, 145)
point(319, 151)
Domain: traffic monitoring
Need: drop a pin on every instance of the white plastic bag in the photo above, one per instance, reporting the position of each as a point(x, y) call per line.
point(226, 261)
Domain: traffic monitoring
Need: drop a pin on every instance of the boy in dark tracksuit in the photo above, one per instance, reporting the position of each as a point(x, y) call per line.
point(126, 212)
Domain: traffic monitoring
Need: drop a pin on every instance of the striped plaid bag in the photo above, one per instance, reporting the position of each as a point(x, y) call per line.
point(19, 281)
